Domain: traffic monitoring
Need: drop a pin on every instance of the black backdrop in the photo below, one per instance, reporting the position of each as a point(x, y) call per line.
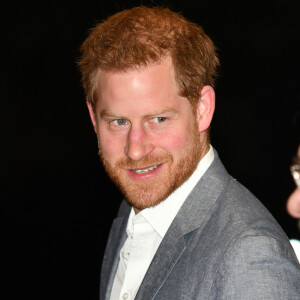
point(56, 202)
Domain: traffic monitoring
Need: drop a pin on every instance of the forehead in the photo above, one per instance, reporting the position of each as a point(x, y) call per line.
point(150, 85)
point(162, 69)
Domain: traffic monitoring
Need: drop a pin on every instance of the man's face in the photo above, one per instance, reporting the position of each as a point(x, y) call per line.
point(148, 135)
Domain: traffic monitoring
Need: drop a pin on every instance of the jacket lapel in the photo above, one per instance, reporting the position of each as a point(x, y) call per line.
point(162, 264)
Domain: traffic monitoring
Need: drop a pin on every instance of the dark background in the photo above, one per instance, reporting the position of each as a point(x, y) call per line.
point(57, 204)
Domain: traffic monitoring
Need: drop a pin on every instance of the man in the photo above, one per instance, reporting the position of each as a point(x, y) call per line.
point(293, 208)
point(189, 230)
point(293, 201)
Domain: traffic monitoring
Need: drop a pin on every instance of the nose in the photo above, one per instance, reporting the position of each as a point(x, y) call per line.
point(138, 144)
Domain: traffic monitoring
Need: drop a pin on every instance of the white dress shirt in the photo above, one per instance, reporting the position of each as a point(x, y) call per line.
point(145, 232)
point(296, 245)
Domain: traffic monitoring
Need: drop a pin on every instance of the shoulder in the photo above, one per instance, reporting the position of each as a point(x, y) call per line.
point(258, 266)
point(245, 211)
point(257, 260)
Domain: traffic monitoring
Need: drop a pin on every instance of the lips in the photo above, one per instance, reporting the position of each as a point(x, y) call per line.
point(145, 170)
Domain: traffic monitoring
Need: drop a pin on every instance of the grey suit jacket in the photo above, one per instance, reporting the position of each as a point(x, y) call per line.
point(223, 244)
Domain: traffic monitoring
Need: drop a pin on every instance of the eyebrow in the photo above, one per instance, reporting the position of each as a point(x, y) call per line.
point(161, 111)
point(109, 113)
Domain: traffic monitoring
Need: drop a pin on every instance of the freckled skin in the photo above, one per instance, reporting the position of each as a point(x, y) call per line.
point(141, 121)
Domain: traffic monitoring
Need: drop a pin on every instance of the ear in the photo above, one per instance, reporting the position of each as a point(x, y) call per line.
point(92, 115)
point(206, 107)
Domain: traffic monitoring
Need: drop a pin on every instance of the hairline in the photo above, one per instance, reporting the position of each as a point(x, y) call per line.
point(95, 79)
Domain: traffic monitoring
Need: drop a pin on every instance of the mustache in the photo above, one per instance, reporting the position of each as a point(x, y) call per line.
point(147, 161)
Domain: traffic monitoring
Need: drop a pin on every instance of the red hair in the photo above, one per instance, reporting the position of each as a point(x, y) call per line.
point(140, 36)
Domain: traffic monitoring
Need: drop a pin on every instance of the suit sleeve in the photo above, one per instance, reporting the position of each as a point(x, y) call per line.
point(258, 267)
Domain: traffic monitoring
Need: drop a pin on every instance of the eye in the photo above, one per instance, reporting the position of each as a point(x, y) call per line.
point(159, 119)
point(119, 122)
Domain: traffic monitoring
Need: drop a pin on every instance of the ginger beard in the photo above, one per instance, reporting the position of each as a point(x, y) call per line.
point(149, 193)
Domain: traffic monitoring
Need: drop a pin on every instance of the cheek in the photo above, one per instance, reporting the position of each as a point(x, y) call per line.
point(175, 143)
point(112, 147)
point(180, 137)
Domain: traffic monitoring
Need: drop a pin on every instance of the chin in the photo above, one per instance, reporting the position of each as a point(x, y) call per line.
point(143, 202)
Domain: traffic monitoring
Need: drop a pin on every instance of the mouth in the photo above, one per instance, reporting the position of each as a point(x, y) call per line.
point(145, 170)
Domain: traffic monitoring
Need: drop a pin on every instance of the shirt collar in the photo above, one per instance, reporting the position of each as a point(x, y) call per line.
point(162, 215)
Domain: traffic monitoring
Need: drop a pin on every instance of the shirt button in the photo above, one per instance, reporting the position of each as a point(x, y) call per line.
point(125, 296)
